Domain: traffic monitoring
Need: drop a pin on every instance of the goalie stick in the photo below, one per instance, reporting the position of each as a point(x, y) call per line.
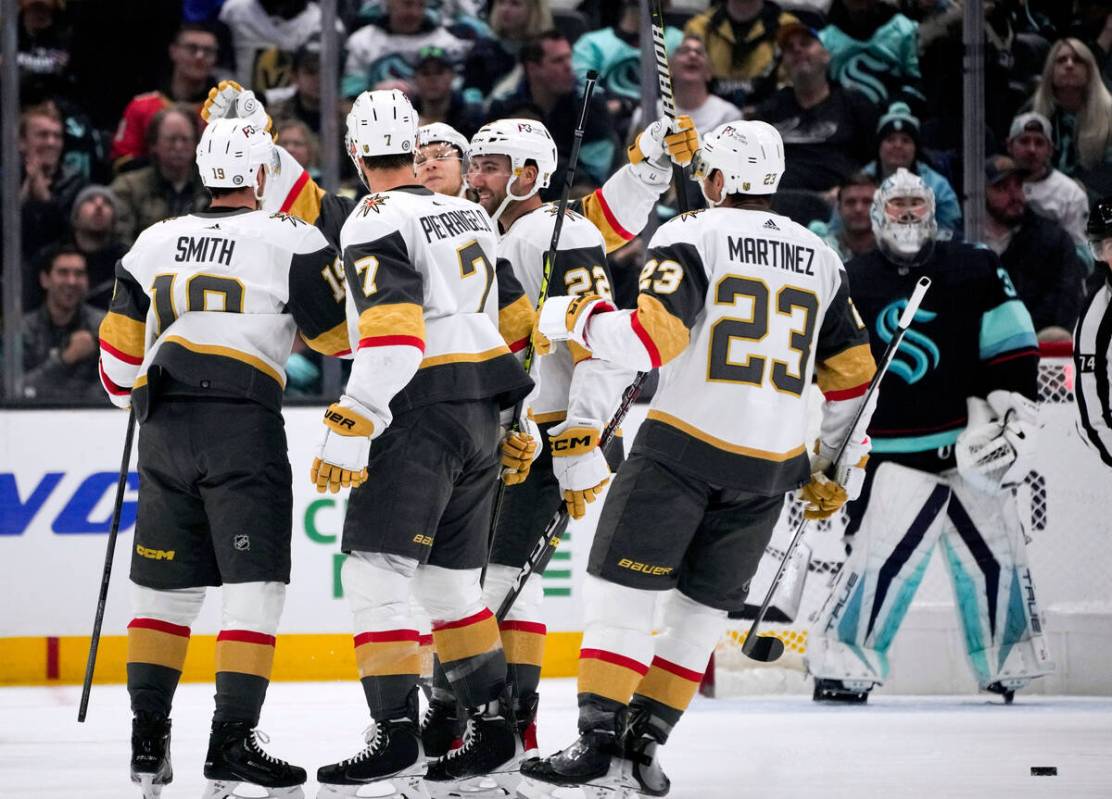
point(546, 545)
point(542, 292)
point(767, 648)
point(98, 620)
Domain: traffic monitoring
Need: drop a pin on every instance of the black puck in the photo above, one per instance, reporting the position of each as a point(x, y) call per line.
point(1044, 771)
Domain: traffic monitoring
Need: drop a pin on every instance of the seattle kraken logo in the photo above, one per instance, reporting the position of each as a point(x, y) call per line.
point(922, 352)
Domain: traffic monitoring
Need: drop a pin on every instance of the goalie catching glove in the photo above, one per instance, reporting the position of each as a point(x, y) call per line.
point(832, 487)
point(578, 463)
point(566, 318)
point(992, 452)
point(343, 453)
point(666, 138)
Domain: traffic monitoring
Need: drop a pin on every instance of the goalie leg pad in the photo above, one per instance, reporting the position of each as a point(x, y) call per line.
point(891, 550)
point(986, 554)
point(157, 640)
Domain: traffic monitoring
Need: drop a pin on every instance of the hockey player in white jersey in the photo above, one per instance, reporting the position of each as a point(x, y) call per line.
point(740, 308)
point(441, 159)
point(952, 435)
point(416, 436)
point(200, 326)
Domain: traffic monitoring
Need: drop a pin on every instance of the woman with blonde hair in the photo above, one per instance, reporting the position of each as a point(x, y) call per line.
point(1073, 97)
point(492, 61)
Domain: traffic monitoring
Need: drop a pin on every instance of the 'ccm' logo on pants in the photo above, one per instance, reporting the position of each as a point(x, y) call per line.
point(153, 554)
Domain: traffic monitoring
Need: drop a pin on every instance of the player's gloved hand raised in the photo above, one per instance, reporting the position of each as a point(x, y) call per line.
point(578, 463)
point(831, 488)
point(343, 452)
point(520, 448)
point(675, 139)
point(564, 318)
point(221, 101)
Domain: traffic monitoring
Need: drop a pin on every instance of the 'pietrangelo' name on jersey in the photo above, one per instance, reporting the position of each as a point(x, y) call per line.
point(205, 248)
point(777, 254)
point(453, 223)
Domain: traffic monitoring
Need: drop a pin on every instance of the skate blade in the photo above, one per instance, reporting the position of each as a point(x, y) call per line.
point(236, 789)
point(489, 786)
point(536, 789)
point(147, 786)
point(407, 787)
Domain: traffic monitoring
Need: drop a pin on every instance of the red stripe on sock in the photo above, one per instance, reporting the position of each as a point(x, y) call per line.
point(424, 640)
point(482, 615)
point(160, 626)
point(386, 637)
point(677, 669)
point(615, 659)
point(53, 670)
point(524, 627)
point(246, 637)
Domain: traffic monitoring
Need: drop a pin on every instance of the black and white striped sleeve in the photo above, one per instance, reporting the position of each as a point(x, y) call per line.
point(1092, 340)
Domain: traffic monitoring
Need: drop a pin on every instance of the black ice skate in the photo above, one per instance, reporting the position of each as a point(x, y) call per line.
point(641, 743)
point(838, 691)
point(595, 762)
point(393, 752)
point(150, 753)
point(442, 728)
point(1006, 688)
point(235, 757)
point(487, 763)
point(525, 720)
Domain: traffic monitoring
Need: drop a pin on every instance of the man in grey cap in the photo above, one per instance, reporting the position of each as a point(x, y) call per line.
point(1049, 192)
point(96, 212)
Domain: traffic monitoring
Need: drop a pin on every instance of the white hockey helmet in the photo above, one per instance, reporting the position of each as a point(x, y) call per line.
point(231, 151)
point(381, 122)
point(441, 132)
point(521, 140)
point(749, 154)
point(902, 233)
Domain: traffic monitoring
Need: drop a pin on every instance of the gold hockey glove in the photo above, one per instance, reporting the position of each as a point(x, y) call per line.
point(343, 453)
point(578, 463)
point(678, 140)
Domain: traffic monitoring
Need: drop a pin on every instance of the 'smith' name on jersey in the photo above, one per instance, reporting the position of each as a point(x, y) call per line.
point(205, 248)
point(774, 253)
point(454, 223)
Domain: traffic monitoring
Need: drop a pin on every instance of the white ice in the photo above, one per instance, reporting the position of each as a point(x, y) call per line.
point(766, 748)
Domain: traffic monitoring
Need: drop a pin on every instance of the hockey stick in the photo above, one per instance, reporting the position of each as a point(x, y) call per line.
point(767, 648)
point(542, 292)
point(550, 539)
point(94, 642)
point(667, 99)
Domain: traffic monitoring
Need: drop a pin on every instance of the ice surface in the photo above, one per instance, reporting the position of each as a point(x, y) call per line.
point(766, 748)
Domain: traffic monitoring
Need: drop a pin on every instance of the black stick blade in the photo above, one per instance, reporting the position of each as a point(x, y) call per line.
point(765, 648)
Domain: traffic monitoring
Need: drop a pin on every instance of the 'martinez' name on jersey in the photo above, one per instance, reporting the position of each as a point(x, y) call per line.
point(422, 303)
point(741, 308)
point(213, 299)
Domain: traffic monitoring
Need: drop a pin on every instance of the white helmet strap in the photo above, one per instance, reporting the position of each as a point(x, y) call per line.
point(510, 196)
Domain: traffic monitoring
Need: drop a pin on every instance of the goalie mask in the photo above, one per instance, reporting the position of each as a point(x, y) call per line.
point(522, 141)
point(232, 151)
point(903, 218)
point(749, 154)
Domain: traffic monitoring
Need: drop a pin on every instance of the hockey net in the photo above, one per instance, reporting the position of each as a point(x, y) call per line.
point(1062, 507)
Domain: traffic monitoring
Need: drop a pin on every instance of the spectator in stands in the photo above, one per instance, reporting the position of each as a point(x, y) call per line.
point(850, 230)
point(48, 187)
point(95, 236)
point(170, 186)
point(1075, 100)
point(874, 49)
point(60, 337)
point(435, 100)
point(827, 130)
point(740, 37)
point(1048, 191)
point(492, 67)
point(44, 37)
point(301, 143)
point(192, 57)
point(898, 146)
point(301, 100)
point(691, 86)
point(266, 34)
point(1038, 253)
point(615, 54)
point(387, 50)
point(548, 93)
